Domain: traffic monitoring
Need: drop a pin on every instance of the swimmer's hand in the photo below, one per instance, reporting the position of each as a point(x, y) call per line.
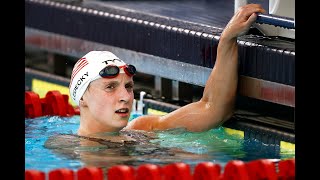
point(241, 21)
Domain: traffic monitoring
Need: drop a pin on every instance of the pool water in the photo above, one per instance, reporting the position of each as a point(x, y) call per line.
point(176, 145)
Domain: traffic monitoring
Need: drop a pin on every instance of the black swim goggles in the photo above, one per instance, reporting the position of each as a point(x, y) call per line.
point(112, 71)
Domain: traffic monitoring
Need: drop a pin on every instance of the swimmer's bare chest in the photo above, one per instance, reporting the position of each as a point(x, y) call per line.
point(123, 138)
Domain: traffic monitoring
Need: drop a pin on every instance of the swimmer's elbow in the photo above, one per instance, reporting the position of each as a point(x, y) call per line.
point(220, 117)
point(226, 112)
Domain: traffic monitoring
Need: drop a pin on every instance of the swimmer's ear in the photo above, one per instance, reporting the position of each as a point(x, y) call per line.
point(82, 102)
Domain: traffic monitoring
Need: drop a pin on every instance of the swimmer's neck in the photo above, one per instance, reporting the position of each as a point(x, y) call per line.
point(89, 125)
point(87, 131)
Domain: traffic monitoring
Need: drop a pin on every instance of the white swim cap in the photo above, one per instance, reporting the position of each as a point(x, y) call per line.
point(87, 70)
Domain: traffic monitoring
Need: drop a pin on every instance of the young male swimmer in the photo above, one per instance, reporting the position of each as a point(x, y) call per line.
point(102, 86)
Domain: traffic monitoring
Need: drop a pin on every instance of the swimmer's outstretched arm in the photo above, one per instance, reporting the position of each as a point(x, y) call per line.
point(217, 102)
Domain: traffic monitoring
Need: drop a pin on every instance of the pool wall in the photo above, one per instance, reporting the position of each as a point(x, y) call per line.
point(153, 34)
point(41, 83)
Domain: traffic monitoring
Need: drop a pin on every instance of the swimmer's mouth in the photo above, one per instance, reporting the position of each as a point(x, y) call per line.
point(123, 110)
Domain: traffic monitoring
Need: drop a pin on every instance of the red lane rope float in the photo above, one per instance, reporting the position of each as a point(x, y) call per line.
point(54, 103)
point(121, 172)
point(176, 171)
point(235, 170)
point(61, 174)
point(92, 173)
point(149, 172)
point(262, 169)
point(34, 175)
point(33, 106)
point(206, 170)
point(286, 169)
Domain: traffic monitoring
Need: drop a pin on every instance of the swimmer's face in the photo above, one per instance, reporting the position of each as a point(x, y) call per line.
point(109, 101)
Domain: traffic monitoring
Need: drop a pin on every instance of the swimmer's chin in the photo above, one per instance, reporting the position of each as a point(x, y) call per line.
point(122, 123)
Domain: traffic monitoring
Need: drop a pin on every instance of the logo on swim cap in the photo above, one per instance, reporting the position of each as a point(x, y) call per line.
point(87, 70)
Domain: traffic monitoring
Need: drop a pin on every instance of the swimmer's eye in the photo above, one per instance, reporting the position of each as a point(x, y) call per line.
point(129, 86)
point(110, 87)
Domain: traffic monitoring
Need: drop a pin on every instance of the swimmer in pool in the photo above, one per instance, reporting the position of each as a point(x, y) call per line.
point(102, 86)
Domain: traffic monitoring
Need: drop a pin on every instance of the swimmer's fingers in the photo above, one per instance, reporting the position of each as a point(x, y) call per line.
point(242, 20)
point(249, 13)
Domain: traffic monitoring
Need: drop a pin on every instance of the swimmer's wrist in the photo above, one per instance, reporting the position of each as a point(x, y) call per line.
point(225, 43)
point(227, 38)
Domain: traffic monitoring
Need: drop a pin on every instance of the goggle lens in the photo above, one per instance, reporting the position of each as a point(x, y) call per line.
point(130, 70)
point(113, 71)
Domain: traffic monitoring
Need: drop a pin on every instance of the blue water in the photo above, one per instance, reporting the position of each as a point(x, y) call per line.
point(214, 145)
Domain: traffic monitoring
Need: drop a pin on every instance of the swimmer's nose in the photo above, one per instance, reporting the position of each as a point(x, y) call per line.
point(124, 95)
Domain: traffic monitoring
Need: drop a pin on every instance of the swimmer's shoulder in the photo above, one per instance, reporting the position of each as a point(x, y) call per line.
point(62, 140)
point(139, 134)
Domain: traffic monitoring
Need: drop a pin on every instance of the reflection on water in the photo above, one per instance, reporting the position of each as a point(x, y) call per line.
point(51, 142)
